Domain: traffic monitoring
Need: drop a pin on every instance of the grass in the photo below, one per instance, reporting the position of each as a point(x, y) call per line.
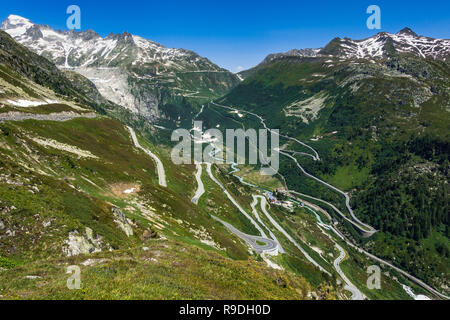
point(348, 177)
point(166, 271)
point(231, 273)
point(43, 109)
point(354, 268)
point(56, 192)
point(73, 210)
point(254, 176)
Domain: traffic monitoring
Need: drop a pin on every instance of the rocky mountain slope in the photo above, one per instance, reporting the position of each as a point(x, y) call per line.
point(136, 73)
point(75, 188)
point(377, 110)
point(386, 44)
point(382, 45)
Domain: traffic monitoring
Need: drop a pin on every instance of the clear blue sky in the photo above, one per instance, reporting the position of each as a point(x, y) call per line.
point(241, 33)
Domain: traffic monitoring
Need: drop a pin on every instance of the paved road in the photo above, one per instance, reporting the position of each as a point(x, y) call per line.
point(268, 246)
point(279, 228)
point(375, 258)
point(236, 204)
point(365, 232)
point(356, 294)
point(316, 155)
point(201, 188)
point(297, 153)
point(255, 212)
point(370, 230)
point(348, 285)
point(366, 227)
point(379, 260)
point(159, 164)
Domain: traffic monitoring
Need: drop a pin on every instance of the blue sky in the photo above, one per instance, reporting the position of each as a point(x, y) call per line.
point(239, 34)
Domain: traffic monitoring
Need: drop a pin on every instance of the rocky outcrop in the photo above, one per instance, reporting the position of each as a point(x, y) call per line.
point(61, 116)
point(82, 244)
point(122, 221)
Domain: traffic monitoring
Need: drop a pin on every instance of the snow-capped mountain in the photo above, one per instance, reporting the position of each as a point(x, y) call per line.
point(383, 44)
point(71, 49)
point(378, 46)
point(129, 70)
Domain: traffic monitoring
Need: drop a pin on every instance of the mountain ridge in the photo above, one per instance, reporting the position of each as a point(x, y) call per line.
point(380, 45)
point(381, 124)
point(82, 185)
point(77, 184)
point(138, 74)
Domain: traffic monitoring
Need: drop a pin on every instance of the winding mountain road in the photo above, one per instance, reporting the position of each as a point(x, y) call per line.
point(356, 294)
point(255, 212)
point(268, 246)
point(159, 164)
point(316, 155)
point(371, 230)
point(365, 232)
point(384, 262)
point(295, 243)
point(236, 204)
point(200, 187)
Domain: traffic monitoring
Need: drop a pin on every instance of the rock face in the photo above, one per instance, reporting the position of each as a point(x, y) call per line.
point(131, 71)
point(122, 222)
point(82, 244)
point(61, 116)
point(382, 45)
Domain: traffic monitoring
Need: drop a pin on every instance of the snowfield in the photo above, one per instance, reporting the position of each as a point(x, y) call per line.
point(28, 103)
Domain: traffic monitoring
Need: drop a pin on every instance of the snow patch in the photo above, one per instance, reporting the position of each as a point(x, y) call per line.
point(411, 293)
point(129, 191)
point(29, 103)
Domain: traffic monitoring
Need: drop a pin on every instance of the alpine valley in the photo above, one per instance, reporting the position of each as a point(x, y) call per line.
point(86, 176)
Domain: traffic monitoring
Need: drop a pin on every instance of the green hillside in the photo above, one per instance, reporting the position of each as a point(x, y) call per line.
point(381, 127)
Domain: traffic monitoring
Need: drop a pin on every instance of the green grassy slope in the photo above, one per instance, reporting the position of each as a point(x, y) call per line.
point(381, 128)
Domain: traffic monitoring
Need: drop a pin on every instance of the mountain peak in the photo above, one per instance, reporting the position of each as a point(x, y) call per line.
point(294, 53)
point(16, 24)
point(407, 31)
point(17, 19)
point(110, 62)
point(381, 45)
point(89, 35)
